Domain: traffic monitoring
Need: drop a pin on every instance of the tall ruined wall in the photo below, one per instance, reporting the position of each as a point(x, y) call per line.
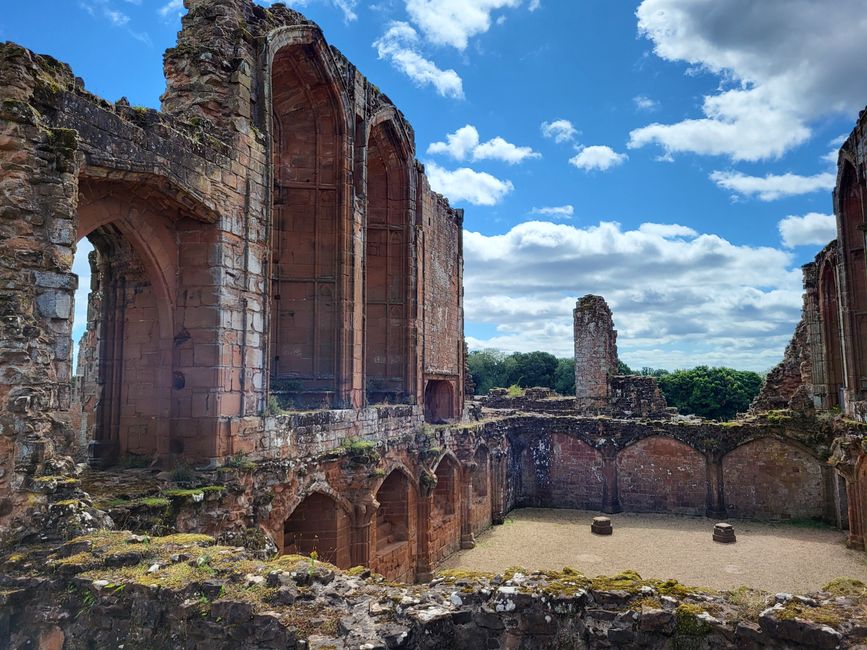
point(595, 352)
point(189, 341)
point(443, 292)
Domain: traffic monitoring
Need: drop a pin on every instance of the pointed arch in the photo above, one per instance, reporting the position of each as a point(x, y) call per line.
point(310, 230)
point(389, 282)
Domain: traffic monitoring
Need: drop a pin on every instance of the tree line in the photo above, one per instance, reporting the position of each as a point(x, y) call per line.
point(712, 393)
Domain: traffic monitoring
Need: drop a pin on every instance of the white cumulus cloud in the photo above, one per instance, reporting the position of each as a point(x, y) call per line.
point(782, 64)
point(454, 22)
point(399, 46)
point(680, 298)
point(601, 157)
point(813, 229)
point(773, 186)
point(465, 184)
point(555, 212)
point(465, 142)
point(559, 131)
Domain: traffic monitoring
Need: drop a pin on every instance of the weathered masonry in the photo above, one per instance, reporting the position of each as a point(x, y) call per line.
point(268, 238)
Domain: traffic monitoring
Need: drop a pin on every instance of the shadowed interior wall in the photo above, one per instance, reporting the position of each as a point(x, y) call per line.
point(395, 527)
point(386, 269)
point(319, 524)
point(772, 479)
point(659, 474)
point(445, 525)
point(438, 401)
point(481, 495)
point(306, 240)
point(576, 473)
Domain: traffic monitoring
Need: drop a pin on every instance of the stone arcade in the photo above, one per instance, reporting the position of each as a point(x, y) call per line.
point(277, 301)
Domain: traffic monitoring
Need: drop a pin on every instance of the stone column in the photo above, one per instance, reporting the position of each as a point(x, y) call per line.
point(468, 540)
point(424, 565)
point(498, 487)
point(362, 552)
point(595, 353)
point(610, 490)
point(716, 506)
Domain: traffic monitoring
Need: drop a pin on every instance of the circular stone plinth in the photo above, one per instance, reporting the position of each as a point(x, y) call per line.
point(724, 533)
point(601, 526)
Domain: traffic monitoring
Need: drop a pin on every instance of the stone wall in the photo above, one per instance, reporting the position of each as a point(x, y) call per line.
point(184, 592)
point(219, 316)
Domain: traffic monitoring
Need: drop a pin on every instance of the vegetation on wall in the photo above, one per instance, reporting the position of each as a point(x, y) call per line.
point(713, 393)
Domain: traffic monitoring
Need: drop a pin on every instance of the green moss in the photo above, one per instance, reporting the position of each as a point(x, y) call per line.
point(147, 502)
point(361, 451)
point(749, 602)
point(849, 587)
point(687, 621)
point(183, 539)
point(60, 480)
point(451, 576)
point(824, 614)
point(67, 502)
point(190, 492)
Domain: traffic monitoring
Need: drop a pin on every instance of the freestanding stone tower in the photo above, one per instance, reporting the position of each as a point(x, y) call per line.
point(595, 353)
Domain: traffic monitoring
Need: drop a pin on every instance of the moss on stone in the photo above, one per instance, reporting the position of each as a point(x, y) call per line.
point(183, 493)
point(687, 621)
point(451, 576)
point(849, 587)
point(823, 614)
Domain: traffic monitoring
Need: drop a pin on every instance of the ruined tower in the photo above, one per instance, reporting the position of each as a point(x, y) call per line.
point(595, 352)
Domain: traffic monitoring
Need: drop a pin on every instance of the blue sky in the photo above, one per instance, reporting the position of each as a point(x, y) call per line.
point(675, 156)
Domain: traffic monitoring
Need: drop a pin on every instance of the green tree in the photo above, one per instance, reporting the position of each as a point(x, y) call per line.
point(713, 393)
point(488, 369)
point(564, 377)
point(533, 369)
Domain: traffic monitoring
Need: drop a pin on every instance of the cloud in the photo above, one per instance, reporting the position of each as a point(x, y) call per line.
point(117, 18)
point(81, 267)
point(680, 298)
point(781, 64)
point(555, 212)
point(454, 22)
point(534, 5)
point(464, 184)
point(559, 130)
point(399, 45)
point(172, 8)
point(601, 157)
point(813, 229)
point(643, 103)
point(772, 186)
point(465, 142)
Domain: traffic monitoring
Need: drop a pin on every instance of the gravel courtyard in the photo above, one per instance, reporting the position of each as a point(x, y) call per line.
point(773, 557)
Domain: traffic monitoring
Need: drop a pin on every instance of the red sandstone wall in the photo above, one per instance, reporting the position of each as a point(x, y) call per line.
point(479, 508)
point(576, 474)
point(768, 478)
point(662, 475)
point(443, 291)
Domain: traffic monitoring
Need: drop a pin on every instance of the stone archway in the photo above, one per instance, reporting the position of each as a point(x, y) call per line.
point(438, 401)
point(319, 524)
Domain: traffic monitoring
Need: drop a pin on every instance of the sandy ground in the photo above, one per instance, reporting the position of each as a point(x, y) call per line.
point(773, 557)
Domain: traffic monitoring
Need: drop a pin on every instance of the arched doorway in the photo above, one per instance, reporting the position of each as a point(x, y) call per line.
point(438, 401)
point(121, 392)
point(445, 524)
point(394, 530)
point(319, 524)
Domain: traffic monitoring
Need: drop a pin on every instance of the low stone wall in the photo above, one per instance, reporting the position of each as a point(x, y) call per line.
point(183, 592)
